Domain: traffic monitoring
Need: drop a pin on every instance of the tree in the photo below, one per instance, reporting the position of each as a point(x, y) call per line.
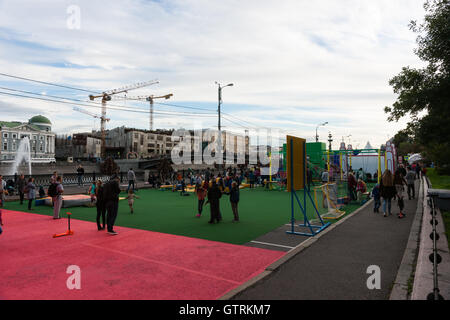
point(427, 90)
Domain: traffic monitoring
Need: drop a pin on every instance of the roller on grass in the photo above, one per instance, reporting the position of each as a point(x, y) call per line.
point(68, 232)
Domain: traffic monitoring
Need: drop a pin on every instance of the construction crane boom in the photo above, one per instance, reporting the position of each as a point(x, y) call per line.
point(150, 99)
point(106, 96)
point(89, 113)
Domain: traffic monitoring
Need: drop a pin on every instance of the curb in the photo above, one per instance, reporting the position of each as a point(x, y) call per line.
point(408, 265)
point(288, 256)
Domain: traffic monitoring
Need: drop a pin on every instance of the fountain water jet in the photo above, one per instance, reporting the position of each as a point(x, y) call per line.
point(23, 154)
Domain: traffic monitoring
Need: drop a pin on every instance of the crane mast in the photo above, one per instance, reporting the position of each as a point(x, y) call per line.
point(106, 96)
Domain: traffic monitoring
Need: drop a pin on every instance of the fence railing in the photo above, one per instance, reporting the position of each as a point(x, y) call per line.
point(72, 178)
point(434, 257)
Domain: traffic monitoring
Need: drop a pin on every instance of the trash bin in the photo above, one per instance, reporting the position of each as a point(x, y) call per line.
point(441, 198)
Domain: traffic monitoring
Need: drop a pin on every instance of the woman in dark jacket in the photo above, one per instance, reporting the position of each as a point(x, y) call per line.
point(214, 194)
point(101, 207)
point(387, 190)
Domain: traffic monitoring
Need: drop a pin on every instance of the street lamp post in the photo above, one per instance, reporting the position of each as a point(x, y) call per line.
point(219, 127)
point(320, 125)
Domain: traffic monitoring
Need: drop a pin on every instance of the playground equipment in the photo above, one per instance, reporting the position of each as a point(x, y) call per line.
point(296, 174)
point(68, 201)
point(68, 232)
point(339, 162)
point(332, 199)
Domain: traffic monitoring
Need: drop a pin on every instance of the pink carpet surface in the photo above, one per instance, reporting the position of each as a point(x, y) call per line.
point(133, 265)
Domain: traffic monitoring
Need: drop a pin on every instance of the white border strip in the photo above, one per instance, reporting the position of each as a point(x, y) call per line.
point(272, 244)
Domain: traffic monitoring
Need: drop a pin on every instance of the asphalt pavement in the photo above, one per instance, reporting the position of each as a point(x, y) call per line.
point(335, 267)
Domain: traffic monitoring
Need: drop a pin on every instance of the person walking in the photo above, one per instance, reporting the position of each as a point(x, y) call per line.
point(80, 174)
point(201, 195)
point(59, 190)
point(131, 196)
point(387, 191)
point(214, 195)
point(31, 192)
point(131, 178)
point(234, 200)
point(376, 198)
point(399, 182)
point(100, 204)
point(418, 170)
point(21, 183)
point(410, 178)
point(111, 193)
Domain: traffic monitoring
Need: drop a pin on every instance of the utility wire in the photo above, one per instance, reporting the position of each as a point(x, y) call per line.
point(112, 108)
point(48, 83)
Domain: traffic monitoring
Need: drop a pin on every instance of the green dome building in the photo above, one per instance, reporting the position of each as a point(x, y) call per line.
point(43, 123)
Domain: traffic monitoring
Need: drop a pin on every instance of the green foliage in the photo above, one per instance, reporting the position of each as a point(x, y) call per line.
point(427, 90)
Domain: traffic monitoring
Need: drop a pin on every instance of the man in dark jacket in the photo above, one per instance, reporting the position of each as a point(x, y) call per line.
point(214, 194)
point(111, 193)
point(234, 200)
point(21, 183)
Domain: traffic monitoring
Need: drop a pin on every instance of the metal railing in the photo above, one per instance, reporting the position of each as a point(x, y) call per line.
point(434, 257)
point(72, 178)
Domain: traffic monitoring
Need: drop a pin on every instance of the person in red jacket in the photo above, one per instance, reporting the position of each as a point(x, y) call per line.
point(201, 191)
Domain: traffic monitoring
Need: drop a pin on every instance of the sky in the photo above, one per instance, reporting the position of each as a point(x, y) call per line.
point(294, 63)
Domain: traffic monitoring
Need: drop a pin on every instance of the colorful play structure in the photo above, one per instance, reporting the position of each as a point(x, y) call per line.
point(296, 162)
point(339, 162)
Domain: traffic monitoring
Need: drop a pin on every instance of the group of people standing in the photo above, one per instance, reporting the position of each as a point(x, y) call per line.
point(212, 191)
point(106, 198)
point(393, 186)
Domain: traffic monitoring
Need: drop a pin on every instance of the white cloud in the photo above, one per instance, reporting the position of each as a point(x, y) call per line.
point(332, 57)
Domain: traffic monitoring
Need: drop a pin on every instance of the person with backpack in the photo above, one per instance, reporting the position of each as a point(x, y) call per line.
point(58, 192)
point(51, 192)
point(410, 178)
point(387, 191)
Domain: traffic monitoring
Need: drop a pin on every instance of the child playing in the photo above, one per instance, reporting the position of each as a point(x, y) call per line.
point(131, 196)
point(201, 195)
point(376, 197)
point(92, 192)
point(361, 188)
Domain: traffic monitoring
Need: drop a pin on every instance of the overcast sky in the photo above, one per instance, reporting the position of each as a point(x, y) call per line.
point(294, 64)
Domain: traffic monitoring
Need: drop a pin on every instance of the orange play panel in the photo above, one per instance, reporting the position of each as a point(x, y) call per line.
point(135, 264)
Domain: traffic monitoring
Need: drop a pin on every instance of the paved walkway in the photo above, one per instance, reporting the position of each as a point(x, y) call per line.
point(335, 266)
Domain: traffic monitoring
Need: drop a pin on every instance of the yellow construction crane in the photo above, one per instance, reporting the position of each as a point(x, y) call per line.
point(106, 96)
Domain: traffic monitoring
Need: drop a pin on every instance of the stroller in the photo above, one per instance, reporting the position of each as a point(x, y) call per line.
point(10, 187)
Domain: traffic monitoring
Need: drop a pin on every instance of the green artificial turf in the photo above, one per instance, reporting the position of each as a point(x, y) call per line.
point(260, 212)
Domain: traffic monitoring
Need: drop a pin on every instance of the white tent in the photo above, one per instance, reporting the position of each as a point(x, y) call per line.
point(414, 158)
